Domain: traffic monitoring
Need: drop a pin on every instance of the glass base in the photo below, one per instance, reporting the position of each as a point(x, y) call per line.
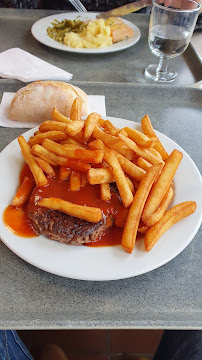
point(160, 76)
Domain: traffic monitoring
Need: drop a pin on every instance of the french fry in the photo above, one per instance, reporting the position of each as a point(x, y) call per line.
point(37, 133)
point(130, 185)
point(119, 176)
point(155, 152)
point(141, 151)
point(77, 165)
point(89, 156)
point(123, 150)
point(23, 193)
point(96, 145)
point(75, 181)
point(122, 184)
point(155, 217)
point(134, 215)
point(58, 116)
point(121, 131)
point(126, 188)
point(88, 213)
point(131, 169)
point(37, 172)
point(64, 173)
point(105, 192)
point(142, 228)
point(52, 135)
point(101, 122)
point(111, 127)
point(149, 131)
point(47, 155)
point(50, 125)
point(73, 142)
point(45, 166)
point(80, 137)
point(106, 131)
point(84, 179)
point(74, 128)
point(71, 146)
point(105, 138)
point(125, 163)
point(76, 108)
point(90, 124)
point(100, 176)
point(171, 217)
point(144, 164)
point(162, 184)
point(31, 137)
point(139, 137)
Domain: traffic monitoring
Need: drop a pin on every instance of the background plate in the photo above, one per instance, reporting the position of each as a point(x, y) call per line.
point(86, 263)
point(39, 31)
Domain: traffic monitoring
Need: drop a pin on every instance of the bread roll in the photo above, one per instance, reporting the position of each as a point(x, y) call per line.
point(35, 101)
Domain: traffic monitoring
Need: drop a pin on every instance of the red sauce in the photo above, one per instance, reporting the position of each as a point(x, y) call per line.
point(16, 219)
point(88, 195)
point(25, 172)
point(111, 237)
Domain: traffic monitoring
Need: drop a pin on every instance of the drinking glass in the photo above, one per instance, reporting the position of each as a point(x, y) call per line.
point(171, 26)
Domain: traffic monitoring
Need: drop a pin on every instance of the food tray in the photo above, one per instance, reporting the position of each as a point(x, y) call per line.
point(124, 66)
point(168, 297)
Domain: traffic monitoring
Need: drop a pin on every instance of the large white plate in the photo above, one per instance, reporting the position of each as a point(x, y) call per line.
point(39, 31)
point(104, 263)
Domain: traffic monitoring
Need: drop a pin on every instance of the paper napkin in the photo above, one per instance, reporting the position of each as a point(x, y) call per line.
point(18, 64)
point(96, 103)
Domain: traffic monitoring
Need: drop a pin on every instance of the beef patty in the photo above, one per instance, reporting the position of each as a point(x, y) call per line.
point(66, 229)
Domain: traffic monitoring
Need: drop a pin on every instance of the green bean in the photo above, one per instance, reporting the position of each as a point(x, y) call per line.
point(60, 28)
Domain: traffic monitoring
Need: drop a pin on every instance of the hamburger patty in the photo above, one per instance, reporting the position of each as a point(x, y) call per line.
point(66, 229)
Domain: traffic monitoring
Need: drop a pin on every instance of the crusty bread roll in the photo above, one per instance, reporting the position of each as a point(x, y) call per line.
point(35, 101)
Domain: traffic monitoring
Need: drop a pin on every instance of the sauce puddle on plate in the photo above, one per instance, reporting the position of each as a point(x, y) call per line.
point(16, 220)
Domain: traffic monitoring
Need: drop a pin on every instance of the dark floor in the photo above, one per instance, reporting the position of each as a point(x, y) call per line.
point(95, 344)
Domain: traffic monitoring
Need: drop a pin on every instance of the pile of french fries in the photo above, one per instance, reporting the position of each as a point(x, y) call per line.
point(97, 152)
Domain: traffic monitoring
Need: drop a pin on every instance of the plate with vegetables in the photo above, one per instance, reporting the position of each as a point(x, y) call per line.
point(85, 34)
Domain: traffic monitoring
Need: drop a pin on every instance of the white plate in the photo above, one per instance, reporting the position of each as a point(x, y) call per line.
point(39, 31)
point(104, 263)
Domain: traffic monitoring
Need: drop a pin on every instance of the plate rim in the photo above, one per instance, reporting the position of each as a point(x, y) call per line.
point(108, 49)
point(104, 278)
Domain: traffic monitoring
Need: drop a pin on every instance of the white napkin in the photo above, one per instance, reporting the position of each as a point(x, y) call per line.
point(18, 64)
point(96, 103)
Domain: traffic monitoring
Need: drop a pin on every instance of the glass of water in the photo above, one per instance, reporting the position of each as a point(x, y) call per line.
point(171, 26)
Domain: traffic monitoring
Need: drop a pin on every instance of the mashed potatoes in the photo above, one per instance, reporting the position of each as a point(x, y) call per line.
point(95, 35)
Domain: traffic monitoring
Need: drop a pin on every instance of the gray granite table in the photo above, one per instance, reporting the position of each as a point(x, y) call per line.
point(168, 297)
point(125, 66)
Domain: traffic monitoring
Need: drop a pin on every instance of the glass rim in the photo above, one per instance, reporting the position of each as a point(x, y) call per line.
point(154, 2)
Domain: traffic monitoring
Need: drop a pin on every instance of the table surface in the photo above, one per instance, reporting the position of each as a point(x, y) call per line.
point(168, 297)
